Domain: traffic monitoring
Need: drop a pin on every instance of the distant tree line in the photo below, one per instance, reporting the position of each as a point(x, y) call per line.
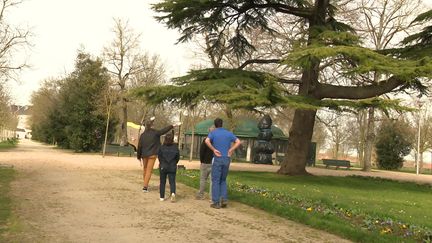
point(70, 112)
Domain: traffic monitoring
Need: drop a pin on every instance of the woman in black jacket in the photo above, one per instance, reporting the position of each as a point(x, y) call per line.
point(169, 156)
point(148, 148)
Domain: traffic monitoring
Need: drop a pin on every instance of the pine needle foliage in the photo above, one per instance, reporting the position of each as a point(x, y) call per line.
point(254, 90)
point(418, 45)
point(247, 90)
point(240, 89)
point(362, 60)
point(425, 36)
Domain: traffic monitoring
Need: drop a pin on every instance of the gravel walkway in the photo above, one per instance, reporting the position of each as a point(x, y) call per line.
point(60, 196)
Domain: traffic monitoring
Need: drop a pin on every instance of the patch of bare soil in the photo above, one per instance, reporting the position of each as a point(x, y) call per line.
point(66, 197)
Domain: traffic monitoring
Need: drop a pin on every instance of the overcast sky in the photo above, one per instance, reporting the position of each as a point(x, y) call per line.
point(60, 27)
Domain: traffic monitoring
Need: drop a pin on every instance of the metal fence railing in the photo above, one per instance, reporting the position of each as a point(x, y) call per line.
point(6, 134)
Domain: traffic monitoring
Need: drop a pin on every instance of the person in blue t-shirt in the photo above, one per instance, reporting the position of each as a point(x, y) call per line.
point(223, 143)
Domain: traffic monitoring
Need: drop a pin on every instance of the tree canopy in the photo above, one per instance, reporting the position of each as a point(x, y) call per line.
point(71, 115)
point(328, 46)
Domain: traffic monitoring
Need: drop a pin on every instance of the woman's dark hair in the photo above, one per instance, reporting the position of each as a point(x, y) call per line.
point(218, 122)
point(148, 124)
point(169, 139)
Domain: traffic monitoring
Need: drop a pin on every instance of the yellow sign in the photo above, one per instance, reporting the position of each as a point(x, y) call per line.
point(133, 125)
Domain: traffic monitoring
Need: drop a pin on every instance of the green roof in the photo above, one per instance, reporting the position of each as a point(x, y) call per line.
point(245, 129)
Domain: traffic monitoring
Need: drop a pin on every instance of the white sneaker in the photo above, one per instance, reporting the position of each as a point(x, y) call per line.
point(173, 197)
point(161, 199)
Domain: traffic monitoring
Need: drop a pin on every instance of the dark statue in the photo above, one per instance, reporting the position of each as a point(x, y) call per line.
point(263, 147)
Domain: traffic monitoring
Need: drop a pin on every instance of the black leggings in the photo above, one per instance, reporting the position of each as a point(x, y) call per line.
point(171, 178)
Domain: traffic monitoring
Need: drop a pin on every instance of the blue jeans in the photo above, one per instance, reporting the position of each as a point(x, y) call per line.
point(219, 174)
point(172, 181)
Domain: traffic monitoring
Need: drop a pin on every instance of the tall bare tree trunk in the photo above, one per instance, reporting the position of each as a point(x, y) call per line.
point(107, 127)
point(336, 148)
point(124, 117)
point(362, 121)
point(192, 143)
point(370, 138)
point(179, 136)
point(421, 162)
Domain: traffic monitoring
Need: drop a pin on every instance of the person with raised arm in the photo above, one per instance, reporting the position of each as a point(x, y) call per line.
point(148, 149)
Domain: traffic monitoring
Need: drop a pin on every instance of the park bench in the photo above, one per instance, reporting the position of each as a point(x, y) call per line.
point(117, 149)
point(6, 166)
point(337, 163)
point(181, 167)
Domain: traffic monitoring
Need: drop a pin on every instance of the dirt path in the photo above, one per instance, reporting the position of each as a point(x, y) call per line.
point(66, 197)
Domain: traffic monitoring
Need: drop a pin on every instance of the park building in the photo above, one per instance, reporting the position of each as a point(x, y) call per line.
point(23, 129)
point(246, 130)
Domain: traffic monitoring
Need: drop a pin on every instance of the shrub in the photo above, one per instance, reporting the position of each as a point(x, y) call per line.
point(392, 145)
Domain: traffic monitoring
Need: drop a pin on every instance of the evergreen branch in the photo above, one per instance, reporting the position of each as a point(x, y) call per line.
point(264, 61)
point(289, 81)
point(303, 10)
point(426, 16)
point(363, 61)
point(247, 90)
point(362, 92)
point(301, 102)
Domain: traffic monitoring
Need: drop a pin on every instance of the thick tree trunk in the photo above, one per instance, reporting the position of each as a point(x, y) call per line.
point(124, 118)
point(300, 136)
point(336, 148)
point(370, 138)
point(301, 131)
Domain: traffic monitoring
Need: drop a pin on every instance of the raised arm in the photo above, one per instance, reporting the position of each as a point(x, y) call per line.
point(164, 130)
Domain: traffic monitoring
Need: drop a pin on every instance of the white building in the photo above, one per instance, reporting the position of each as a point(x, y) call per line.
point(23, 127)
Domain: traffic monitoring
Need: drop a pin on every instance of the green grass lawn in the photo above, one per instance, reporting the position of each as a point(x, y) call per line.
point(8, 144)
point(356, 208)
point(6, 176)
point(426, 170)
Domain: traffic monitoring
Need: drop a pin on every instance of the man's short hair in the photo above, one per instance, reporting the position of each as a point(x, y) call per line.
point(218, 122)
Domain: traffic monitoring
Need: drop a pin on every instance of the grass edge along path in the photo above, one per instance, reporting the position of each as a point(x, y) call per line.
point(8, 144)
point(7, 174)
point(350, 223)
